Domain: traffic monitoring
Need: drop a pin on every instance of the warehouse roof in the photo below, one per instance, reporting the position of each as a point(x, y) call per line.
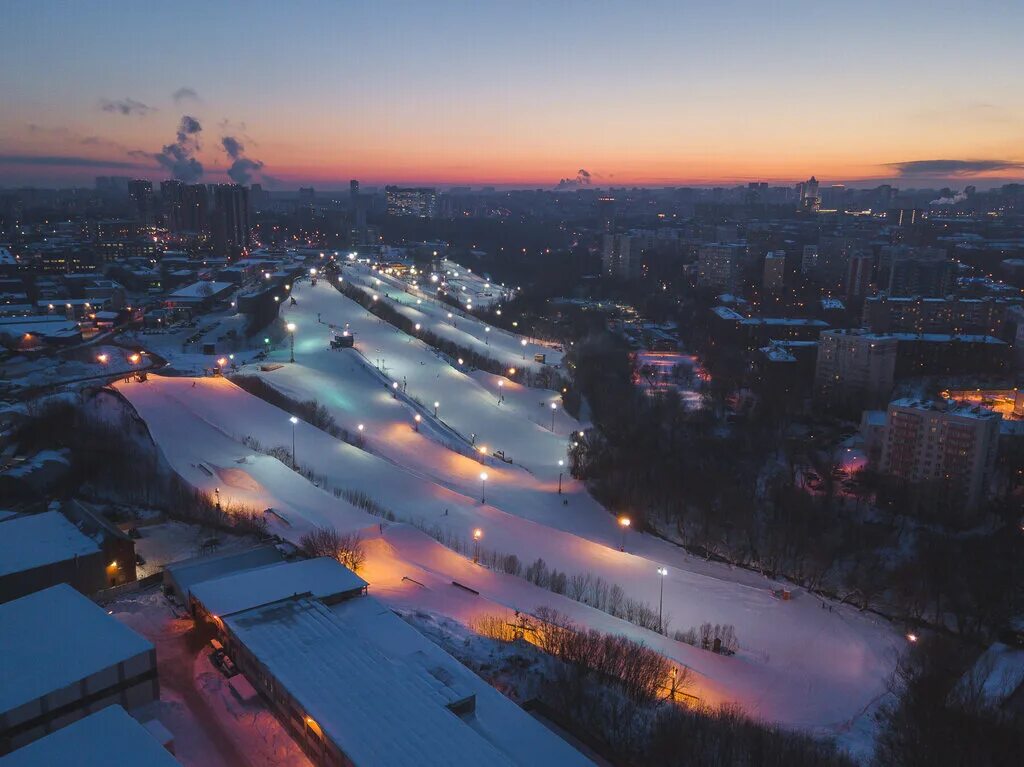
point(54, 638)
point(34, 540)
point(110, 736)
point(322, 578)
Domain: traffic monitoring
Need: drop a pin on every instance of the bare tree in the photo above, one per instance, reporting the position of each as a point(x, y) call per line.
point(347, 548)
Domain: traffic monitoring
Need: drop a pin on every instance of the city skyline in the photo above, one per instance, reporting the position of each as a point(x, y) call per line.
point(531, 96)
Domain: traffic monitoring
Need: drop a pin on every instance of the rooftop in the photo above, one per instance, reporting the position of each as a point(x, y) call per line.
point(949, 407)
point(108, 737)
point(321, 578)
point(55, 638)
point(378, 710)
point(202, 289)
point(33, 540)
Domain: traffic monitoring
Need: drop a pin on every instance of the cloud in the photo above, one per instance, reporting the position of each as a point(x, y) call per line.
point(126, 107)
point(185, 94)
point(242, 168)
point(943, 168)
point(582, 179)
point(179, 158)
point(65, 160)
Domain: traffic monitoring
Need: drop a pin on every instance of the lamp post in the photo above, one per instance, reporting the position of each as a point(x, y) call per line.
point(624, 523)
point(477, 535)
point(436, 406)
point(294, 421)
point(291, 337)
point(416, 422)
point(561, 463)
point(523, 342)
point(216, 492)
point(554, 407)
point(483, 487)
point(487, 336)
point(662, 571)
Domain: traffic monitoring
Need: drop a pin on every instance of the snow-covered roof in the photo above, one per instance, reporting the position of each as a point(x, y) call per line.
point(110, 736)
point(190, 572)
point(55, 638)
point(202, 289)
point(321, 578)
point(378, 710)
point(34, 540)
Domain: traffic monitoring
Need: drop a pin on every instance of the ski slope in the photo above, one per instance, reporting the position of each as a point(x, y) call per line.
point(421, 305)
point(799, 665)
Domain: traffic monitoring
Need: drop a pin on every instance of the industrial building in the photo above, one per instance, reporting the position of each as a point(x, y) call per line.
point(108, 737)
point(62, 658)
point(41, 550)
point(354, 683)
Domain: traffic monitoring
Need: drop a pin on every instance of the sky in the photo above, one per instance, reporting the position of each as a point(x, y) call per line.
point(523, 93)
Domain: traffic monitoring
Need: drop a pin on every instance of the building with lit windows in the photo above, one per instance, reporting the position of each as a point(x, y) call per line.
point(945, 451)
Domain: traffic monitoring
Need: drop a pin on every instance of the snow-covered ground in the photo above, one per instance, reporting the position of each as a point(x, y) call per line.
point(799, 664)
point(209, 724)
point(420, 304)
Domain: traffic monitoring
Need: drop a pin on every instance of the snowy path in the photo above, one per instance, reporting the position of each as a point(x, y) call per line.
point(799, 664)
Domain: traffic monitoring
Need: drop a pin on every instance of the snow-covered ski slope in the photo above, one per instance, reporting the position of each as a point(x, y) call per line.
point(799, 665)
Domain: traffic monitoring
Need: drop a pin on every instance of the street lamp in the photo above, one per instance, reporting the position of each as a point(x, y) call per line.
point(624, 523)
point(523, 342)
point(554, 407)
point(477, 535)
point(483, 487)
point(662, 571)
point(294, 421)
point(416, 422)
point(561, 463)
point(436, 406)
point(291, 336)
point(487, 336)
point(501, 385)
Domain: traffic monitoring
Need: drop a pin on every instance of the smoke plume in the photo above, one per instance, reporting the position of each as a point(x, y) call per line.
point(179, 158)
point(242, 168)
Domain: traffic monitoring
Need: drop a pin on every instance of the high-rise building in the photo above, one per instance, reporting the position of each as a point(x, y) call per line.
point(411, 201)
point(195, 208)
point(172, 202)
point(774, 271)
point(810, 199)
point(858, 276)
point(606, 213)
point(141, 192)
point(616, 255)
point(927, 276)
point(855, 369)
point(231, 218)
point(719, 265)
point(947, 452)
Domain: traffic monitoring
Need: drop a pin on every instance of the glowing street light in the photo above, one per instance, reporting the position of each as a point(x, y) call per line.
point(416, 422)
point(523, 342)
point(291, 336)
point(483, 487)
point(477, 535)
point(561, 463)
point(624, 523)
point(436, 406)
point(662, 571)
point(501, 385)
point(294, 421)
point(102, 358)
point(487, 336)
point(554, 407)
point(360, 427)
